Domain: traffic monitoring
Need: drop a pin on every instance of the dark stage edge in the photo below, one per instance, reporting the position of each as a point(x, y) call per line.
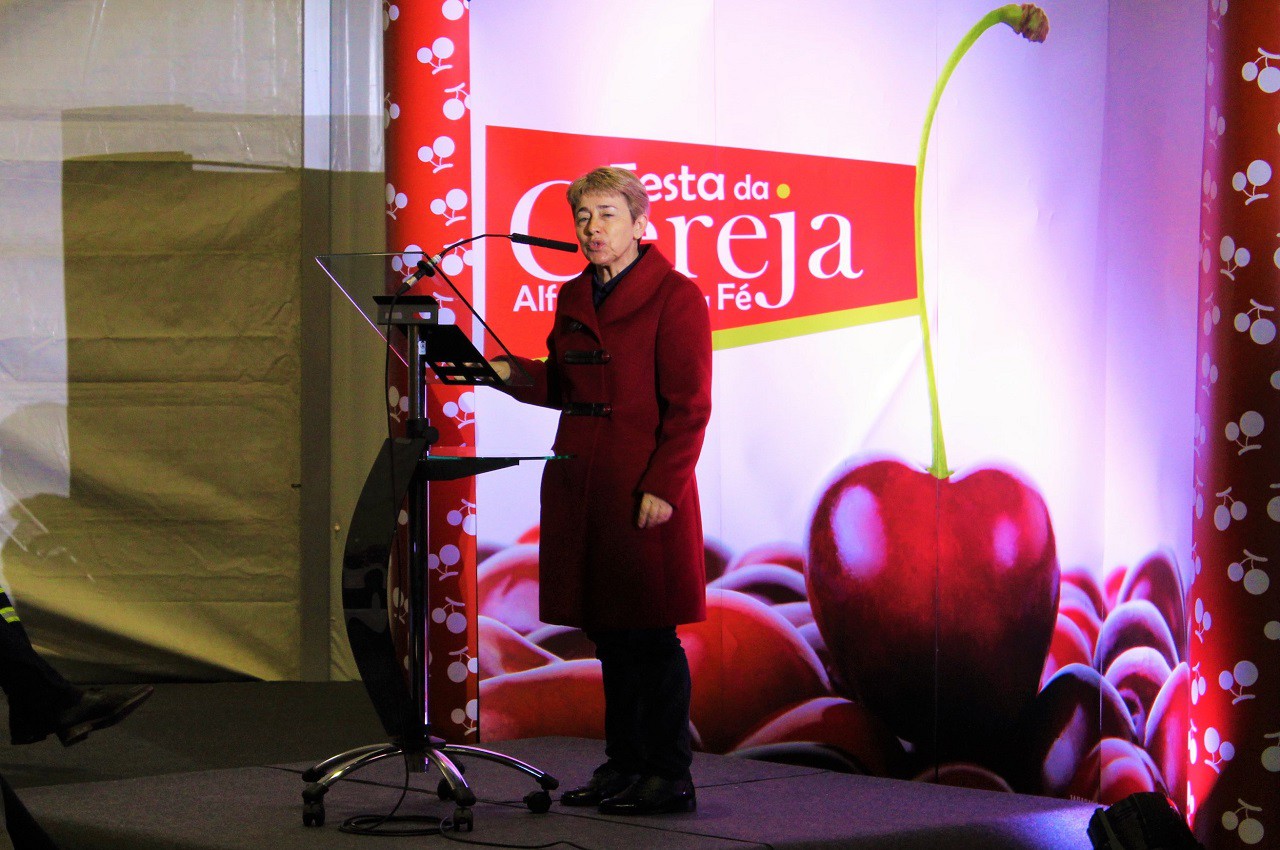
point(741, 803)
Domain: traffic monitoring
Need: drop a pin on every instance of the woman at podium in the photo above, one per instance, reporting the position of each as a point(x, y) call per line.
point(621, 553)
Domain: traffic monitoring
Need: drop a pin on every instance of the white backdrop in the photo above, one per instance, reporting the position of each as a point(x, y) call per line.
point(1060, 241)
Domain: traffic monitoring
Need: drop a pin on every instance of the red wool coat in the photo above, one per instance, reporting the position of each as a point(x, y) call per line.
point(647, 355)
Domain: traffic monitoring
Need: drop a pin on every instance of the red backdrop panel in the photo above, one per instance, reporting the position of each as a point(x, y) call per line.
point(428, 168)
point(1234, 728)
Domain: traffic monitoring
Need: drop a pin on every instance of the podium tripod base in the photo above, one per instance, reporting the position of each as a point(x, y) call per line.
point(435, 754)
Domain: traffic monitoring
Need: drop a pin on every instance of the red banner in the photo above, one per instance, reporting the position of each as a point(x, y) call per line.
point(1233, 772)
point(781, 244)
point(427, 54)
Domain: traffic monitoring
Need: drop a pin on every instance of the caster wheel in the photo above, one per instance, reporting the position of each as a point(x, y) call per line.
point(539, 802)
point(444, 791)
point(462, 820)
point(313, 814)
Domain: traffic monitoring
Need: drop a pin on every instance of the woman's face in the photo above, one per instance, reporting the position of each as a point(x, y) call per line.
point(609, 236)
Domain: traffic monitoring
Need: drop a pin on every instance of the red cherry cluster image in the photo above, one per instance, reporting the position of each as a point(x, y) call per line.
point(923, 631)
point(1112, 715)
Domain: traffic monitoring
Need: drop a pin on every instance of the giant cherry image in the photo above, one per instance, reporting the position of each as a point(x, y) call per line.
point(937, 599)
point(936, 594)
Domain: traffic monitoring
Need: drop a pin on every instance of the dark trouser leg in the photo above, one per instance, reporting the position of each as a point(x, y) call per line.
point(36, 692)
point(623, 741)
point(665, 712)
point(22, 829)
point(647, 693)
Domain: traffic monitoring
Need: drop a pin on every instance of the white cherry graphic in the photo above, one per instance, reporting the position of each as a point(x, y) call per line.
point(1248, 828)
point(465, 516)
point(449, 207)
point(1234, 681)
point(1241, 432)
point(443, 562)
point(1212, 313)
point(390, 111)
point(1254, 177)
point(441, 49)
point(1234, 258)
point(396, 201)
point(1228, 510)
point(1204, 622)
point(1271, 755)
point(1217, 123)
point(437, 153)
point(1208, 371)
point(1253, 578)
point(1217, 751)
point(463, 665)
point(452, 615)
point(457, 106)
point(1262, 71)
point(1261, 329)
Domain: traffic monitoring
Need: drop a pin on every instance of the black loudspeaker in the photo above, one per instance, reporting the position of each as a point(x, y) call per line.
point(1142, 821)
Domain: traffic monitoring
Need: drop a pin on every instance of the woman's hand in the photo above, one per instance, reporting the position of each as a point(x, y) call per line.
point(653, 511)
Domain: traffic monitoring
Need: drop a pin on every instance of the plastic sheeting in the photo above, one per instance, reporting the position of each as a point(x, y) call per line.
point(150, 245)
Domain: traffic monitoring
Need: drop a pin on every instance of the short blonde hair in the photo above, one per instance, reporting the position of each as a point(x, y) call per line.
point(611, 181)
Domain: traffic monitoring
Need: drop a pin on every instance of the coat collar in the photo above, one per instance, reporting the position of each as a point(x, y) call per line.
point(575, 302)
point(632, 293)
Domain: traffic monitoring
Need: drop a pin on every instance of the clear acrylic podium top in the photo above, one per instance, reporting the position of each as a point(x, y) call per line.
point(457, 341)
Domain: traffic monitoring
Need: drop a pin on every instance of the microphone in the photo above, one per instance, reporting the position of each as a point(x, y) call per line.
point(426, 268)
point(427, 265)
point(539, 242)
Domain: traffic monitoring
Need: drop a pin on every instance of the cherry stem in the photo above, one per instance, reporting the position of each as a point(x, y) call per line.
point(1016, 16)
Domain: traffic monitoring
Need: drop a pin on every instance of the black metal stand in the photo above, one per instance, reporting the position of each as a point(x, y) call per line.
point(403, 470)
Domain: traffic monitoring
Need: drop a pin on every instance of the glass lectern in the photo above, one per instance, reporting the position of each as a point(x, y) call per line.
point(438, 338)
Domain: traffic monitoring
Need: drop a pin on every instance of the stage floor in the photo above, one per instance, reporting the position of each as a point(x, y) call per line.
point(138, 787)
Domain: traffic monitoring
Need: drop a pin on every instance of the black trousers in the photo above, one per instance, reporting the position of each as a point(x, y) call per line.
point(35, 691)
point(646, 701)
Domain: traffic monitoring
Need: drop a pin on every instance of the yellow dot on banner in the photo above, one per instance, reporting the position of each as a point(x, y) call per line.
point(784, 191)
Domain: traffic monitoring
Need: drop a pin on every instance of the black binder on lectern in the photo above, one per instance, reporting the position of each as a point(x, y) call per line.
point(449, 352)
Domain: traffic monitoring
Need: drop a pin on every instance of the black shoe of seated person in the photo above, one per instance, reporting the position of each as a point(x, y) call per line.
point(604, 782)
point(98, 709)
point(653, 795)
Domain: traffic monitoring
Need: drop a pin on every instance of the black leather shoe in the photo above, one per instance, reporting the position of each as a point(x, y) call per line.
point(605, 782)
point(653, 795)
point(98, 710)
